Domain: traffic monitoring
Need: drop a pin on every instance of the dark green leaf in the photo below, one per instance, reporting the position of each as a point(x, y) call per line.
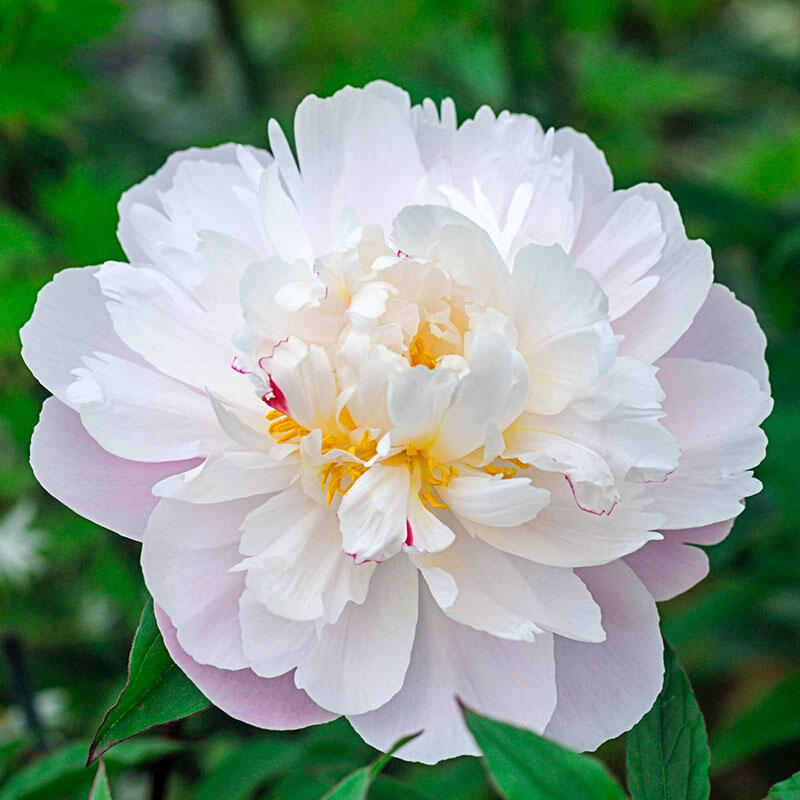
point(100, 789)
point(356, 786)
point(771, 722)
point(524, 766)
point(244, 771)
point(667, 751)
point(157, 691)
point(786, 790)
point(63, 771)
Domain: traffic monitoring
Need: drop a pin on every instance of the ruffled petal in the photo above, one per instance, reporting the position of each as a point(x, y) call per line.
point(604, 689)
point(359, 663)
point(111, 491)
point(510, 681)
point(272, 703)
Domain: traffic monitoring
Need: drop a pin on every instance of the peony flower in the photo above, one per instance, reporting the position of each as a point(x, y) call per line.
point(427, 412)
point(21, 546)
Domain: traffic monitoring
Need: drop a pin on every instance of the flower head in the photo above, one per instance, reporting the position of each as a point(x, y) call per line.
point(429, 411)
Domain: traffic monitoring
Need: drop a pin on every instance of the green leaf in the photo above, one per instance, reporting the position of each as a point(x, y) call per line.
point(356, 786)
point(667, 750)
point(786, 790)
point(773, 721)
point(244, 771)
point(525, 766)
point(64, 771)
point(100, 789)
point(157, 691)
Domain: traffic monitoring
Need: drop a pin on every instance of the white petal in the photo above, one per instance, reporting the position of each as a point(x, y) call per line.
point(359, 663)
point(355, 150)
point(305, 377)
point(417, 399)
point(372, 514)
point(562, 535)
point(193, 191)
point(463, 250)
point(725, 331)
point(69, 321)
point(302, 572)
point(510, 681)
point(620, 240)
point(426, 533)
point(668, 567)
point(604, 689)
point(135, 412)
point(589, 164)
point(684, 271)
point(714, 412)
point(561, 316)
point(229, 476)
point(272, 645)
point(281, 220)
point(489, 397)
point(494, 501)
point(156, 319)
point(187, 556)
point(110, 491)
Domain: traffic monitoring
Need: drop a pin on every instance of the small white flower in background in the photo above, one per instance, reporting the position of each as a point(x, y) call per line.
point(21, 545)
point(52, 712)
point(429, 412)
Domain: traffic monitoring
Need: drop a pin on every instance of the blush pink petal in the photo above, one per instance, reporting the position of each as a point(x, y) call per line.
point(673, 564)
point(726, 331)
point(510, 681)
point(273, 703)
point(604, 689)
point(187, 555)
point(113, 492)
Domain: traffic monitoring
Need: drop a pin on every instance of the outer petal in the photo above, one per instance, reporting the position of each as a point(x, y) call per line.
point(107, 490)
point(169, 329)
point(135, 412)
point(604, 689)
point(69, 321)
point(192, 192)
point(511, 681)
point(714, 412)
point(589, 164)
point(726, 331)
point(685, 272)
point(187, 556)
point(359, 663)
point(273, 703)
point(273, 645)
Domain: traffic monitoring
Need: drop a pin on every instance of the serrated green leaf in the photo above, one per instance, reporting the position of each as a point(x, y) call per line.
point(772, 721)
point(100, 789)
point(243, 772)
point(356, 786)
point(525, 766)
point(786, 790)
point(64, 770)
point(156, 692)
point(667, 750)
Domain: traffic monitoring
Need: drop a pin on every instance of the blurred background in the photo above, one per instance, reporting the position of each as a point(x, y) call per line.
point(700, 95)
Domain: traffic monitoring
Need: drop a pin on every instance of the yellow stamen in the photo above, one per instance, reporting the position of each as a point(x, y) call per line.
point(418, 352)
point(506, 472)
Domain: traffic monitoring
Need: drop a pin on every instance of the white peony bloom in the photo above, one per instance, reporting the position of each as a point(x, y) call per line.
point(427, 412)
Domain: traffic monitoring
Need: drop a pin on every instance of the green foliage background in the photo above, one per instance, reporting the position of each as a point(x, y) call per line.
point(702, 96)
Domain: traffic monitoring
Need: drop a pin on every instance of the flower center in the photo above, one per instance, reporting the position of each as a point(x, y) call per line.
point(426, 474)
